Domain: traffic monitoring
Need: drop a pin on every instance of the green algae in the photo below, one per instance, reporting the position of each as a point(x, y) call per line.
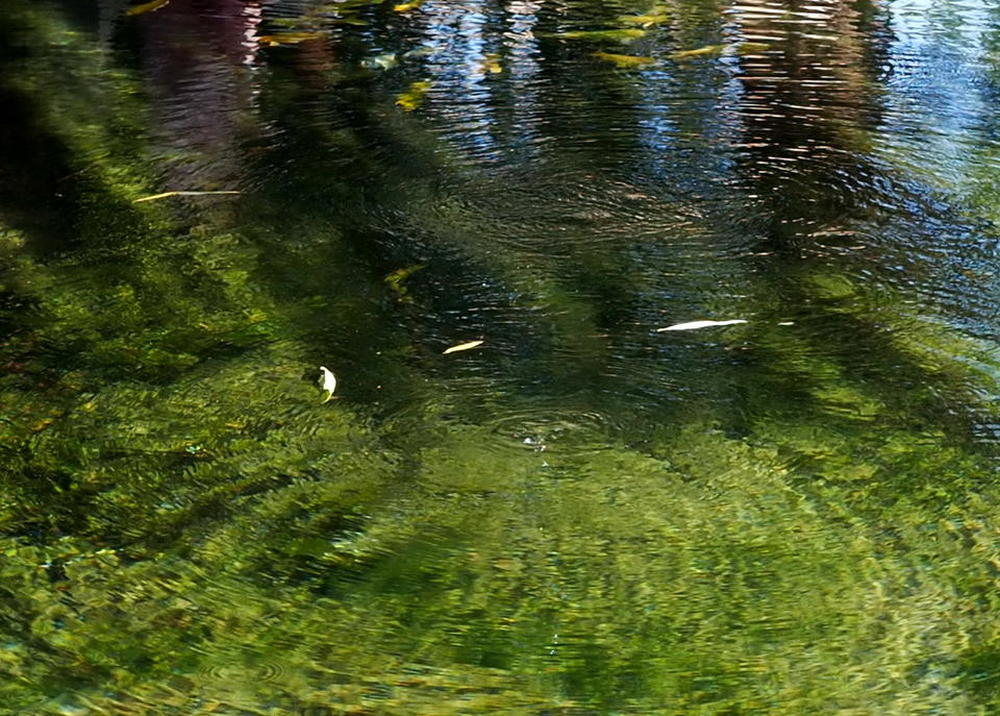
point(185, 528)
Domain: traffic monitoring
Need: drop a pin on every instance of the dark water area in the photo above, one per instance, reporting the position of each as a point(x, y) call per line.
point(721, 432)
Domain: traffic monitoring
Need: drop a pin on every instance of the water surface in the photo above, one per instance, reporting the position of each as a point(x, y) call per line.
point(583, 514)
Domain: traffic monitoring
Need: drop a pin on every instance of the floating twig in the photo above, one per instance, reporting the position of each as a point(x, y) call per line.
point(168, 194)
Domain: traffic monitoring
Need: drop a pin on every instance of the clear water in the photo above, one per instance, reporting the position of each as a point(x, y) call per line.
point(582, 514)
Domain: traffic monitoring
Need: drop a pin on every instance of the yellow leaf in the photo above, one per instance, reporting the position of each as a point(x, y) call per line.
point(624, 60)
point(42, 424)
point(414, 96)
point(146, 7)
point(167, 194)
point(396, 278)
point(491, 63)
point(407, 6)
point(463, 347)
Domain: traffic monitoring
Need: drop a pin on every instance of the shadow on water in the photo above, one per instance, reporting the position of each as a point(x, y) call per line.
point(582, 514)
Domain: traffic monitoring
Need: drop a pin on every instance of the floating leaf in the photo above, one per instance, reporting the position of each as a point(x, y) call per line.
point(168, 194)
point(289, 38)
point(407, 6)
point(42, 424)
point(463, 347)
point(491, 63)
point(695, 325)
point(626, 35)
point(147, 7)
point(707, 51)
point(396, 278)
point(328, 381)
point(414, 96)
point(625, 61)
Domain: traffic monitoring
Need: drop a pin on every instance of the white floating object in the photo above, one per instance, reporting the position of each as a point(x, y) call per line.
point(463, 347)
point(695, 325)
point(328, 381)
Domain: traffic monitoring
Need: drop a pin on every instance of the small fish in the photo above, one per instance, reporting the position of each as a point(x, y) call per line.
point(707, 51)
point(695, 325)
point(381, 62)
point(626, 35)
point(463, 347)
point(422, 51)
point(752, 48)
point(644, 21)
point(146, 7)
point(289, 38)
point(327, 381)
point(624, 61)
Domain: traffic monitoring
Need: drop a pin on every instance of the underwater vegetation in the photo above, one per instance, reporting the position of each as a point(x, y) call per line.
point(569, 468)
